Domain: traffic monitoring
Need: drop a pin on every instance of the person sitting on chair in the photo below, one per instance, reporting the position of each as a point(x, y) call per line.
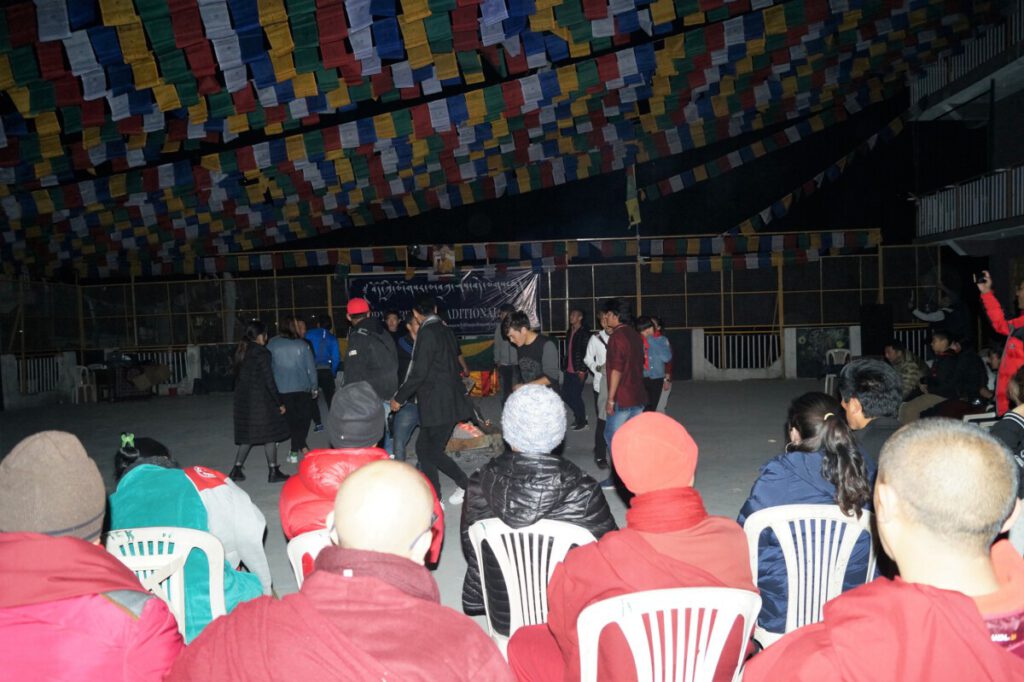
point(669, 541)
point(69, 610)
point(523, 486)
point(870, 393)
point(945, 490)
point(821, 465)
point(369, 611)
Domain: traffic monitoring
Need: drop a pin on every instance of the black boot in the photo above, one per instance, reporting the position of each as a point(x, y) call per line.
point(236, 473)
point(276, 475)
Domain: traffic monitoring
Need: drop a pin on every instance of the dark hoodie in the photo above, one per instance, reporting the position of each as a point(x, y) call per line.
point(889, 631)
point(520, 489)
point(794, 478)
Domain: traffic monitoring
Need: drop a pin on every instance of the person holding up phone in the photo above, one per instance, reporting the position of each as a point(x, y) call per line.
point(1013, 351)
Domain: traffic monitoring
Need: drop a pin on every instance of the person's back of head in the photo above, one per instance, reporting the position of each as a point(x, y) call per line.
point(946, 486)
point(358, 309)
point(654, 452)
point(356, 419)
point(387, 507)
point(869, 388)
point(533, 420)
point(49, 485)
point(287, 328)
point(325, 322)
point(425, 306)
point(816, 423)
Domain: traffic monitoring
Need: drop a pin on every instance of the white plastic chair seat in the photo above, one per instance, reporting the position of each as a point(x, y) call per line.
point(686, 628)
point(527, 557)
point(817, 541)
point(157, 555)
point(834, 357)
point(310, 543)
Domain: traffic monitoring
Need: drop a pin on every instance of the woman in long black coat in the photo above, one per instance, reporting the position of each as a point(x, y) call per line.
point(259, 410)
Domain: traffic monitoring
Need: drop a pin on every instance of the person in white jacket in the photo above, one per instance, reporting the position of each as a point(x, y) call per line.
point(597, 349)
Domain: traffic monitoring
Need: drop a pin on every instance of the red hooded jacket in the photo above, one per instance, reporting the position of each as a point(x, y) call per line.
point(890, 630)
point(71, 611)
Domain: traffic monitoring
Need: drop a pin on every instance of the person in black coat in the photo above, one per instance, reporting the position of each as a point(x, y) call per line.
point(523, 486)
point(433, 378)
point(259, 410)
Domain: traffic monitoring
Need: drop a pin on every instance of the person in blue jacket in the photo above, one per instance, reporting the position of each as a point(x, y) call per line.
point(821, 465)
point(657, 356)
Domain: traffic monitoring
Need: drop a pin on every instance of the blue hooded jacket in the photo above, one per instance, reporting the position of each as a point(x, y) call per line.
point(794, 478)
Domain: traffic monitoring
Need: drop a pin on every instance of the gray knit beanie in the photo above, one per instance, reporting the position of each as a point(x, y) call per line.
point(357, 417)
point(48, 484)
point(533, 419)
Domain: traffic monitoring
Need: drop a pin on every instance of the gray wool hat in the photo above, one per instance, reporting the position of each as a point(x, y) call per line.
point(48, 484)
point(357, 417)
point(533, 419)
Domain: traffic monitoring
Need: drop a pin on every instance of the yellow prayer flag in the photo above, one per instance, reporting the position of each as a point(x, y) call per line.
point(523, 178)
point(415, 10)
point(280, 38)
point(695, 19)
point(419, 55)
point(238, 123)
point(272, 12)
point(198, 113)
point(21, 99)
point(304, 85)
point(118, 12)
point(295, 147)
point(6, 77)
point(775, 20)
point(414, 34)
point(284, 67)
point(210, 162)
point(117, 185)
point(166, 97)
point(339, 97)
point(90, 137)
point(663, 11)
point(577, 50)
point(47, 123)
point(568, 81)
point(475, 106)
point(145, 73)
point(447, 66)
point(133, 42)
point(499, 127)
point(385, 127)
point(543, 19)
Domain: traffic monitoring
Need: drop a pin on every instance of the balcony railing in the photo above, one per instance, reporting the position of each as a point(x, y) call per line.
point(976, 52)
point(987, 199)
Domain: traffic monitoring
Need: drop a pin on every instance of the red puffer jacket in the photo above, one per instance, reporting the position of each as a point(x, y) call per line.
point(307, 499)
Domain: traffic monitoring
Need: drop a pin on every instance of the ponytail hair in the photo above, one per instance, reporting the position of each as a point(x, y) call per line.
point(253, 330)
point(821, 423)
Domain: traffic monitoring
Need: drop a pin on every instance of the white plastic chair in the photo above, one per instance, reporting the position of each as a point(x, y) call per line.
point(310, 543)
point(157, 556)
point(686, 628)
point(985, 420)
point(527, 557)
point(817, 541)
point(835, 356)
point(85, 386)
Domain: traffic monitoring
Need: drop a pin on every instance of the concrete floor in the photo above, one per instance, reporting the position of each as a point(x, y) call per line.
point(738, 426)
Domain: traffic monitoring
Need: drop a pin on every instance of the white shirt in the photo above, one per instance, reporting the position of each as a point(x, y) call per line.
point(597, 351)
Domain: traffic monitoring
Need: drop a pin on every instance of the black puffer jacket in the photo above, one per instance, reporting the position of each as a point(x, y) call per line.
point(521, 489)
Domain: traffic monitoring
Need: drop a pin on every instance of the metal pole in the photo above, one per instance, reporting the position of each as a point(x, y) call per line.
point(81, 318)
point(135, 319)
point(781, 304)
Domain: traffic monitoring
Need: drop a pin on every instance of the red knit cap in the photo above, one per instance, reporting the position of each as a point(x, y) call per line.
point(357, 306)
point(654, 452)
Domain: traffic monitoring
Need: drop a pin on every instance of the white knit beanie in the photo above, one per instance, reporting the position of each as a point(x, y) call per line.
point(533, 419)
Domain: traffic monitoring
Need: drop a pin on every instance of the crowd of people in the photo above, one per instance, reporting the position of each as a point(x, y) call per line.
point(946, 603)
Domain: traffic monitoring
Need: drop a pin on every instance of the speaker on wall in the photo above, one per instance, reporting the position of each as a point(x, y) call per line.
point(875, 328)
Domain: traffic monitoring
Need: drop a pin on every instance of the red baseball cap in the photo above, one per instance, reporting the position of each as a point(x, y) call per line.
point(357, 306)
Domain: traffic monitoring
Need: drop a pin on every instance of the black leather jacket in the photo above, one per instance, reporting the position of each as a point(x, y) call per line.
point(521, 489)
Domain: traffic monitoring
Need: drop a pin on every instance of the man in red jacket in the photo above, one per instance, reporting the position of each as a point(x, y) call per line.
point(370, 610)
point(944, 490)
point(69, 610)
point(1013, 329)
point(669, 541)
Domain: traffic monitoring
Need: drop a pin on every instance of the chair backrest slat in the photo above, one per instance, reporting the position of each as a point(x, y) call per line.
point(675, 634)
point(526, 557)
point(817, 542)
point(157, 556)
point(310, 543)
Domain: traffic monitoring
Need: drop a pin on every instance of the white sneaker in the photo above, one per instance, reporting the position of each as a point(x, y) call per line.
point(458, 496)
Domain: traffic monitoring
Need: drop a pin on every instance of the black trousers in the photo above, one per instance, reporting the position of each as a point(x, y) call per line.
point(506, 377)
point(653, 388)
point(572, 395)
point(431, 456)
point(600, 446)
point(325, 379)
point(298, 410)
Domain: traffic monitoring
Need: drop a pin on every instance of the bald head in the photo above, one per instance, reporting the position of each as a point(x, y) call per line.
point(949, 478)
point(385, 506)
